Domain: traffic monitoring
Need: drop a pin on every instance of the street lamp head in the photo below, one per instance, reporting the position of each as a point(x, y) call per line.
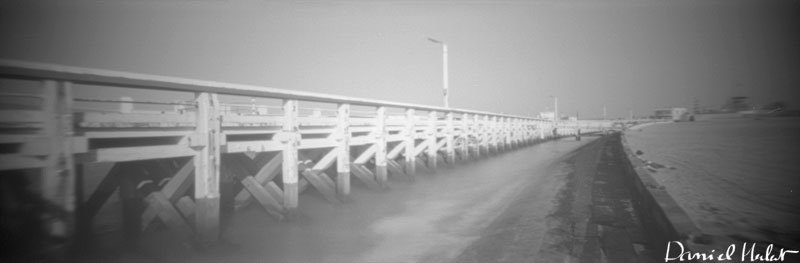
point(435, 41)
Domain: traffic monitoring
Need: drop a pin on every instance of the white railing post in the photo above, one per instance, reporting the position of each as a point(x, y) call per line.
point(207, 166)
point(432, 149)
point(411, 145)
point(451, 154)
point(380, 142)
point(465, 131)
point(291, 138)
point(475, 132)
point(343, 158)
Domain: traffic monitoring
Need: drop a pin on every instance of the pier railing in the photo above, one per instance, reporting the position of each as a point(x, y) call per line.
point(191, 134)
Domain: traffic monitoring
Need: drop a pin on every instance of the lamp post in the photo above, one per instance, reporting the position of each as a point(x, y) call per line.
point(444, 70)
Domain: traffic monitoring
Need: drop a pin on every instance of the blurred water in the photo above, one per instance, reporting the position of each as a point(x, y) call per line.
point(738, 178)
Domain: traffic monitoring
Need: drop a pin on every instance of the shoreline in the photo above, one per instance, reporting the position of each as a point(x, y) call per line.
point(640, 126)
point(729, 193)
point(593, 218)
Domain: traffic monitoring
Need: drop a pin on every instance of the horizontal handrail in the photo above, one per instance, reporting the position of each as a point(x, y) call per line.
point(33, 70)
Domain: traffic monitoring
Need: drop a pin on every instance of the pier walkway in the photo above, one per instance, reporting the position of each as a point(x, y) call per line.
point(171, 143)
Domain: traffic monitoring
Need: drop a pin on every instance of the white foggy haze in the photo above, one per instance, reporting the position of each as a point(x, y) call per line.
point(506, 56)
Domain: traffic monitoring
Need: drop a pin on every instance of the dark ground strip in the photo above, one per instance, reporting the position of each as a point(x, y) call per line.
point(593, 219)
point(622, 236)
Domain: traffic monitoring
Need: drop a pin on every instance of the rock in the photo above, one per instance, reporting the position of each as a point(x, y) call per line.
point(639, 152)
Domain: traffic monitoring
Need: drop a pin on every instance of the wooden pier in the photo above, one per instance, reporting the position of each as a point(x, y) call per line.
point(190, 135)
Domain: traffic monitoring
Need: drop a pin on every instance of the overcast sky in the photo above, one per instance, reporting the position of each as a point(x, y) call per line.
point(505, 56)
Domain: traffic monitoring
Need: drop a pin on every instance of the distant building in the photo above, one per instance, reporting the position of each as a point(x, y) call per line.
point(675, 114)
point(547, 115)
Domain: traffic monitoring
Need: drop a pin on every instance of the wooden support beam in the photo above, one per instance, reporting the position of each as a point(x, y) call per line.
point(326, 161)
point(264, 176)
point(440, 145)
point(465, 137)
point(365, 175)
point(523, 135)
point(421, 147)
point(58, 175)
point(173, 190)
point(508, 132)
point(540, 128)
point(381, 172)
point(104, 190)
point(431, 140)
point(449, 133)
point(503, 134)
point(318, 178)
point(207, 168)
point(395, 152)
point(321, 181)
point(24, 118)
point(266, 173)
point(498, 134)
point(290, 142)
point(475, 132)
point(366, 154)
point(488, 134)
point(180, 182)
point(485, 135)
point(267, 201)
point(512, 133)
point(526, 131)
point(395, 168)
point(136, 153)
point(410, 137)
point(167, 212)
point(186, 206)
point(343, 157)
point(135, 120)
point(271, 202)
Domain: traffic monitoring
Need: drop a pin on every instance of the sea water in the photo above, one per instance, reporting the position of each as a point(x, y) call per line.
point(737, 178)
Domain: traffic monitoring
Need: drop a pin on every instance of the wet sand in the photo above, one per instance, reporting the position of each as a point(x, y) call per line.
point(433, 219)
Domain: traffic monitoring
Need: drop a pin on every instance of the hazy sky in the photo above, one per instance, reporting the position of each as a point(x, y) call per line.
point(505, 56)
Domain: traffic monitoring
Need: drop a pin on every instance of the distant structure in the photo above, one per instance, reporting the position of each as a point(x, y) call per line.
point(547, 115)
point(736, 104)
point(673, 113)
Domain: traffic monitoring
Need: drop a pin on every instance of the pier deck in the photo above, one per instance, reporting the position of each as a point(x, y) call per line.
point(172, 141)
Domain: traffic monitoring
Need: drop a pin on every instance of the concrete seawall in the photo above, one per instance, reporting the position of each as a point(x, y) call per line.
point(664, 220)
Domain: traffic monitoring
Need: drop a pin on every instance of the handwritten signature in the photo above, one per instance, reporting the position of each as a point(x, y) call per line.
point(677, 252)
